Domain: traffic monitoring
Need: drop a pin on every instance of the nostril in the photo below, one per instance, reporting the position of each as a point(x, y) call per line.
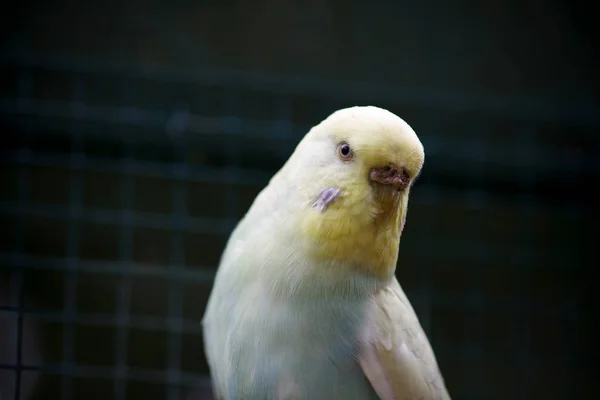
point(404, 175)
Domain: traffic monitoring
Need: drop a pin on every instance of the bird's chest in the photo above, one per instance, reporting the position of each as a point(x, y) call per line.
point(299, 350)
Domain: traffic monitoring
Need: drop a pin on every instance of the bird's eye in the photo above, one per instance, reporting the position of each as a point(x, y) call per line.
point(344, 151)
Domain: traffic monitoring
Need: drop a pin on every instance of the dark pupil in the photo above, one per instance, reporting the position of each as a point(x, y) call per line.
point(345, 150)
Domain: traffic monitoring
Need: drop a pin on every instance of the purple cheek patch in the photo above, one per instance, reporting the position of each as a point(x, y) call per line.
point(326, 197)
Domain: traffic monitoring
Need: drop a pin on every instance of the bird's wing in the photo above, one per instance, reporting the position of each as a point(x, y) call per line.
point(395, 353)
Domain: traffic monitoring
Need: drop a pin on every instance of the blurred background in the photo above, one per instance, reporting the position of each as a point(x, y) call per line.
point(135, 134)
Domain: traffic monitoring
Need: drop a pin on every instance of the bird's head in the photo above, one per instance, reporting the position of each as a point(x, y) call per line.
point(352, 175)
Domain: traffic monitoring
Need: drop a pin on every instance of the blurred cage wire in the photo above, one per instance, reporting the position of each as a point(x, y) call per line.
point(121, 183)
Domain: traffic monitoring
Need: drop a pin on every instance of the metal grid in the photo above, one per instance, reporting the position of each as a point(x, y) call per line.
point(125, 182)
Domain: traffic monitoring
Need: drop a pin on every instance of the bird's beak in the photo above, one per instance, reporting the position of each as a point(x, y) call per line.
point(390, 175)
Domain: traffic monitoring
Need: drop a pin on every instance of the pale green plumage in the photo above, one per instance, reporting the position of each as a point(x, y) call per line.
point(305, 305)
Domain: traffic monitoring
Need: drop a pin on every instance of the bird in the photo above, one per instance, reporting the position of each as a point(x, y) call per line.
point(305, 302)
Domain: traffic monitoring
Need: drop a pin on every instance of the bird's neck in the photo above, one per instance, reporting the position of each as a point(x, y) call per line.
point(311, 280)
point(366, 240)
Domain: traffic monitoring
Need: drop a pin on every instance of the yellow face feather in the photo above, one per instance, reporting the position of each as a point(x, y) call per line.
point(361, 227)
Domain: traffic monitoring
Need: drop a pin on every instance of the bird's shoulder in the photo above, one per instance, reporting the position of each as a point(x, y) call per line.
point(395, 354)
